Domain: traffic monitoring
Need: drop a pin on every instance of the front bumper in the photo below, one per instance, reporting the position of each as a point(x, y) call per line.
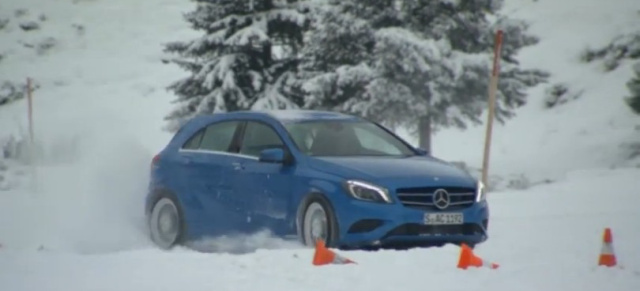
point(366, 224)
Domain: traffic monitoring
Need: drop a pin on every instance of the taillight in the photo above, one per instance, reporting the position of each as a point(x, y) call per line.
point(155, 160)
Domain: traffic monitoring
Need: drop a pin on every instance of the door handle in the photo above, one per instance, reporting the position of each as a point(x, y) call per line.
point(237, 166)
point(187, 160)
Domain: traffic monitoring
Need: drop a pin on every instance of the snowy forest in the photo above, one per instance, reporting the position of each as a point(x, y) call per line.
point(421, 64)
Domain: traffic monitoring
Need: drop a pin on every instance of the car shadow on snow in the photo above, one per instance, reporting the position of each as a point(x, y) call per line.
point(243, 243)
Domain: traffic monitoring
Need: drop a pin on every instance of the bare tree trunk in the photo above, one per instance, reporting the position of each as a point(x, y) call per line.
point(424, 133)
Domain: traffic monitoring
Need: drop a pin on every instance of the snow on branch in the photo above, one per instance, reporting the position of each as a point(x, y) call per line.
point(252, 34)
point(411, 53)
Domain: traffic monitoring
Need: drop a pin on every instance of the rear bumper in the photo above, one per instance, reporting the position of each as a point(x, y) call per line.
point(364, 224)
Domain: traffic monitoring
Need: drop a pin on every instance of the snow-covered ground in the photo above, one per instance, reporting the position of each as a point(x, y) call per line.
point(547, 238)
point(98, 115)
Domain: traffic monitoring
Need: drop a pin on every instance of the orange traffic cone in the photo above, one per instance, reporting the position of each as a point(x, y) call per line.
point(325, 256)
point(607, 255)
point(469, 259)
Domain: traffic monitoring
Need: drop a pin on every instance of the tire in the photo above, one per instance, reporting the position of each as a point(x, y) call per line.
point(318, 221)
point(165, 223)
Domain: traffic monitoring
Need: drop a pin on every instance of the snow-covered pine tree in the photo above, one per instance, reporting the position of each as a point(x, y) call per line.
point(465, 26)
point(634, 88)
point(409, 75)
point(430, 63)
point(335, 58)
point(245, 58)
point(374, 67)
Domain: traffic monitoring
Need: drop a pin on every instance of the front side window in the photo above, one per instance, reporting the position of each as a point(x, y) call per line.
point(257, 137)
point(218, 136)
point(345, 138)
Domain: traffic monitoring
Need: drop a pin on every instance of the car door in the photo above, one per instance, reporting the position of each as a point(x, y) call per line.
point(209, 171)
point(267, 185)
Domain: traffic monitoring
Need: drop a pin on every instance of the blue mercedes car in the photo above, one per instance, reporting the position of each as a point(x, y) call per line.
point(309, 175)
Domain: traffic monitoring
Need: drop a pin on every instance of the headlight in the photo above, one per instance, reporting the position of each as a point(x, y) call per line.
point(368, 192)
point(480, 192)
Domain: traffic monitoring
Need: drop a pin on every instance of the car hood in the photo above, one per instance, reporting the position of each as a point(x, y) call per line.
point(392, 169)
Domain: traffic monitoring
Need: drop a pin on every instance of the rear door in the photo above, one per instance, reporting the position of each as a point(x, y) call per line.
point(209, 171)
point(268, 186)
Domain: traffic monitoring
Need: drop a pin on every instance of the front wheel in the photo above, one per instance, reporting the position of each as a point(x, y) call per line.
point(318, 222)
point(165, 223)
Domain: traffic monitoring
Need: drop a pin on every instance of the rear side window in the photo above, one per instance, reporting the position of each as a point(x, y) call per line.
point(218, 136)
point(194, 142)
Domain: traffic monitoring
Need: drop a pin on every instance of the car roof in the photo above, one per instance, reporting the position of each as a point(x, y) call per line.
point(280, 115)
point(304, 115)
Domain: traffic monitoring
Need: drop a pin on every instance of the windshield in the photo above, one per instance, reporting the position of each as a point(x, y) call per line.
point(345, 138)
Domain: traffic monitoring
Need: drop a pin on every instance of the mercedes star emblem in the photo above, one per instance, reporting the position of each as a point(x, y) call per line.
point(441, 198)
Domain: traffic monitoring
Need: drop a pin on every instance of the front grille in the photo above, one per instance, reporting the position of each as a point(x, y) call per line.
point(422, 197)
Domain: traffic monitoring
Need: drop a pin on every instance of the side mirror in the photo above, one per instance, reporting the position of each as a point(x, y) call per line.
point(272, 156)
point(422, 152)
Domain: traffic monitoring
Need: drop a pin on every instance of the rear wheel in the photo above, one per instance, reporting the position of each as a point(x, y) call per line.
point(318, 222)
point(165, 223)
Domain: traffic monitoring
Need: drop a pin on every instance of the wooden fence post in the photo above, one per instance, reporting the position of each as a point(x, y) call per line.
point(493, 87)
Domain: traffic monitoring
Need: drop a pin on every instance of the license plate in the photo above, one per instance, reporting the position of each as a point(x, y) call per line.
point(443, 218)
